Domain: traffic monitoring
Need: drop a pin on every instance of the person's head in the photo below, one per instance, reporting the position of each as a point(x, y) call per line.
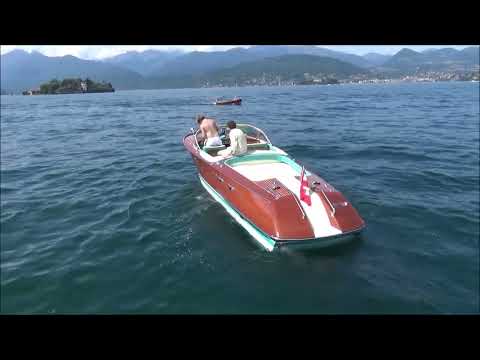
point(231, 124)
point(200, 119)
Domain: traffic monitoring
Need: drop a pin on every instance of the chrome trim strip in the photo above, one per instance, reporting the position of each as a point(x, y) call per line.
point(329, 203)
point(299, 205)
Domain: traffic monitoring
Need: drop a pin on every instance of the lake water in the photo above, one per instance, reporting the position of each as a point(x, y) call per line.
point(102, 210)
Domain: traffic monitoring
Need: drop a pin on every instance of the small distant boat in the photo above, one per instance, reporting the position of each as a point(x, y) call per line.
point(228, 102)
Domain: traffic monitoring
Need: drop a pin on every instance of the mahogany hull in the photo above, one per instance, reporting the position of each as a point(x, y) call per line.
point(277, 216)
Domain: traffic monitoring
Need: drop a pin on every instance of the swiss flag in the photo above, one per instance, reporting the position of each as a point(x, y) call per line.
point(304, 190)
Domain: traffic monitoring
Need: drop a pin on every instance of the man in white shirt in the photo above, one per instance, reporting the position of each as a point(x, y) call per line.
point(238, 141)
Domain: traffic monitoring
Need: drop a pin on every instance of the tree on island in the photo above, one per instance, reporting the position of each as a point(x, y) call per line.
point(73, 86)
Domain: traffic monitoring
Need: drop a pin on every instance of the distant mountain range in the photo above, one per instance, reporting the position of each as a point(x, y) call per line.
point(159, 69)
point(144, 63)
point(196, 63)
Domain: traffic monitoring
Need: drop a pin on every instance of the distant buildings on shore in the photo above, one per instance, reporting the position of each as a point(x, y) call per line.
point(31, 92)
point(431, 76)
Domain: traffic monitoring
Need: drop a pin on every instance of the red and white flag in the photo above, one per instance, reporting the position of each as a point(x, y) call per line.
point(304, 189)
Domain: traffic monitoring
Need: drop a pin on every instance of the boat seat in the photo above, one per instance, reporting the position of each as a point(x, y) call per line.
point(213, 149)
point(259, 146)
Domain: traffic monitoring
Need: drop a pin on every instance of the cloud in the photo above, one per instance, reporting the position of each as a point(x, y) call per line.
point(96, 52)
point(103, 51)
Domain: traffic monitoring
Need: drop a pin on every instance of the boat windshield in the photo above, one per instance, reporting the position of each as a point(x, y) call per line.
point(254, 135)
point(256, 138)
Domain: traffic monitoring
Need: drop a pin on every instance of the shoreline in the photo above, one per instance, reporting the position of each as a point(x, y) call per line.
point(393, 82)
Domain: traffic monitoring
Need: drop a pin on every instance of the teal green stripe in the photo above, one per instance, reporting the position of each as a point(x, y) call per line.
point(253, 230)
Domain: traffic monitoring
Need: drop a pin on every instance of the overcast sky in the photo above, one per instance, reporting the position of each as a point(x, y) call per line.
point(100, 52)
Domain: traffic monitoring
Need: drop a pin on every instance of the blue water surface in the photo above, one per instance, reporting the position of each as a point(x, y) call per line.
point(102, 210)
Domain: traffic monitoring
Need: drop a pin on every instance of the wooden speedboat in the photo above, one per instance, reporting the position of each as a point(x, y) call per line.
point(272, 196)
point(229, 102)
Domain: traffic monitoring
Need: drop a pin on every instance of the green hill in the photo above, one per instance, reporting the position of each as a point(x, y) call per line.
point(286, 68)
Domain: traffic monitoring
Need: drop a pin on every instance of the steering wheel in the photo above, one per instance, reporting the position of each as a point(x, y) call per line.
point(223, 136)
point(225, 140)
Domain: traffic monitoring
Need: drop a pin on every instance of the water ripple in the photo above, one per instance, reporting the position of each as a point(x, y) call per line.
point(102, 210)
